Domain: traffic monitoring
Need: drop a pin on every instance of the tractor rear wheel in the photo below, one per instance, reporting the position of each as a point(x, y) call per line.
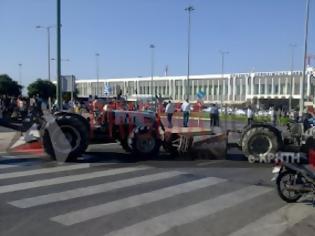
point(259, 142)
point(65, 139)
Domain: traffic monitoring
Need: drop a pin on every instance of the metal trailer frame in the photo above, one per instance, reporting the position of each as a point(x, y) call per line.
point(182, 138)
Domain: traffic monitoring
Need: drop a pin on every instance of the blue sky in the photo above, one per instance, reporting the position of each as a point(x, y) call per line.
point(256, 33)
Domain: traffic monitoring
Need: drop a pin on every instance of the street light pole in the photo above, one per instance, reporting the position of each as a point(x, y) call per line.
point(189, 9)
point(48, 41)
point(292, 46)
point(152, 46)
point(59, 87)
point(305, 54)
point(97, 55)
point(223, 53)
point(53, 59)
point(20, 73)
point(48, 45)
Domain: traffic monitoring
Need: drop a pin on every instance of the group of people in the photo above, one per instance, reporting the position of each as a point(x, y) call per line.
point(186, 109)
point(214, 114)
point(275, 115)
point(19, 107)
point(170, 110)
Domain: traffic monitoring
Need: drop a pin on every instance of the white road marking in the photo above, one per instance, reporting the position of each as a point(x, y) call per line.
point(134, 201)
point(44, 171)
point(276, 222)
point(209, 162)
point(103, 144)
point(67, 179)
point(90, 190)
point(6, 157)
point(165, 222)
point(2, 166)
point(108, 144)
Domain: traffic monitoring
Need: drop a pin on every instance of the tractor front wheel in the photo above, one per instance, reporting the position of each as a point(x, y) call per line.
point(144, 142)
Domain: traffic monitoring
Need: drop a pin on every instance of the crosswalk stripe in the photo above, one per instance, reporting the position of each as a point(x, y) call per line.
point(90, 190)
point(165, 222)
point(44, 171)
point(276, 222)
point(2, 166)
point(209, 162)
point(18, 157)
point(68, 179)
point(133, 201)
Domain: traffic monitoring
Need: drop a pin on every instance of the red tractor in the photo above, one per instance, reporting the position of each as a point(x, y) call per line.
point(67, 135)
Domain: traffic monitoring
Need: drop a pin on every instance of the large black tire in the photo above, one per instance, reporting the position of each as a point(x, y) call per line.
point(144, 142)
point(259, 142)
point(280, 188)
point(71, 129)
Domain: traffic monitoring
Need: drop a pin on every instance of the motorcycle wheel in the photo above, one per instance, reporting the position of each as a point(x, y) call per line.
point(287, 177)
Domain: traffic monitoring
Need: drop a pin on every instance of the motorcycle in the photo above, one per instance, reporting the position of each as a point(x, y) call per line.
point(294, 180)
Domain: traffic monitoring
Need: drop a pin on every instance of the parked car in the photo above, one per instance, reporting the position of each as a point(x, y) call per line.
point(208, 109)
point(240, 112)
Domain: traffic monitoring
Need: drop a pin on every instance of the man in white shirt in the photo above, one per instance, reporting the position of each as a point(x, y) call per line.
point(250, 116)
point(169, 110)
point(273, 116)
point(186, 110)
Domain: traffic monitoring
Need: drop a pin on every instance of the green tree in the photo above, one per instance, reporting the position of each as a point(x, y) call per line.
point(44, 88)
point(9, 87)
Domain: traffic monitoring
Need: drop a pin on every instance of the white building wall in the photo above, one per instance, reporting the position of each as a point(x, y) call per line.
point(231, 91)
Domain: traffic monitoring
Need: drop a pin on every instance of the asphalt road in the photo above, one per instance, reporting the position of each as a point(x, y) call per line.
point(108, 193)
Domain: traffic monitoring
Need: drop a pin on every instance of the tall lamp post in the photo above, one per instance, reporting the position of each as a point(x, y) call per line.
point(189, 9)
point(223, 53)
point(59, 88)
point(97, 56)
point(305, 55)
point(63, 60)
point(152, 47)
point(48, 44)
point(292, 47)
point(20, 74)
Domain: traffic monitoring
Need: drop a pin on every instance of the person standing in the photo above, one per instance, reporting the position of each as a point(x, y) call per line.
point(250, 116)
point(216, 115)
point(1, 107)
point(212, 116)
point(273, 116)
point(186, 110)
point(169, 110)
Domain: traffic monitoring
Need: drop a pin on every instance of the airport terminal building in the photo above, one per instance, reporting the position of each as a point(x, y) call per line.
point(235, 88)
